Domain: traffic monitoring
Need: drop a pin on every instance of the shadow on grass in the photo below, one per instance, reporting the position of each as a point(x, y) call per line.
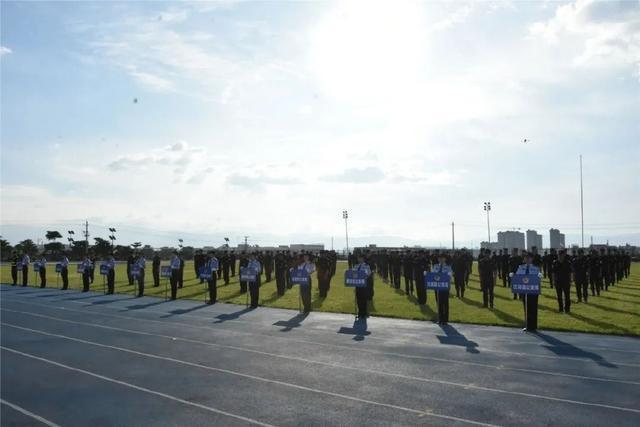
point(358, 330)
point(294, 322)
point(615, 310)
point(502, 315)
point(601, 324)
point(454, 337)
point(562, 348)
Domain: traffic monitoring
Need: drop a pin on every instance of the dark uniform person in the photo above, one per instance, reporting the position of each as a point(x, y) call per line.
point(130, 261)
point(514, 262)
point(232, 263)
point(362, 293)
point(181, 272)
point(442, 295)
point(530, 302)
point(141, 262)
point(580, 273)
point(459, 266)
point(281, 272)
point(244, 261)
point(595, 272)
point(155, 266)
point(420, 265)
point(25, 269)
point(211, 263)
point(111, 275)
point(198, 263)
point(64, 271)
point(268, 266)
point(14, 268)
point(407, 267)
point(324, 274)
point(487, 272)
point(86, 274)
point(562, 281)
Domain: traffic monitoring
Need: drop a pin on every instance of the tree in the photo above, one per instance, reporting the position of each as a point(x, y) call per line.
point(102, 248)
point(147, 251)
point(28, 247)
point(187, 252)
point(53, 235)
point(78, 249)
point(122, 252)
point(5, 249)
point(53, 248)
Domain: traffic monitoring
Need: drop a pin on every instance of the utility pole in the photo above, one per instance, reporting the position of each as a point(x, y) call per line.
point(581, 203)
point(245, 243)
point(332, 243)
point(345, 215)
point(453, 236)
point(487, 208)
point(86, 237)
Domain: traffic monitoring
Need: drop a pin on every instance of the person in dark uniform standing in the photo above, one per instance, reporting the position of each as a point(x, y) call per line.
point(176, 266)
point(362, 293)
point(529, 302)
point(25, 269)
point(514, 262)
point(212, 284)
point(181, 272)
point(244, 262)
point(442, 295)
point(504, 267)
point(130, 261)
point(141, 262)
point(562, 281)
point(459, 266)
point(553, 257)
point(64, 271)
point(268, 266)
point(111, 275)
point(396, 269)
point(254, 287)
point(305, 290)
point(595, 272)
point(226, 267)
point(580, 272)
point(487, 272)
point(198, 263)
point(281, 271)
point(14, 268)
point(86, 273)
point(407, 269)
point(370, 279)
point(43, 271)
point(155, 266)
point(420, 265)
point(324, 274)
point(232, 263)
point(94, 262)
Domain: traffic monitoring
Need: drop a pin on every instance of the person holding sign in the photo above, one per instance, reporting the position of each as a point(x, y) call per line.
point(211, 265)
point(86, 273)
point(175, 274)
point(14, 268)
point(442, 292)
point(141, 263)
point(254, 287)
point(64, 271)
point(526, 281)
point(362, 292)
point(301, 274)
point(43, 271)
point(111, 274)
point(25, 269)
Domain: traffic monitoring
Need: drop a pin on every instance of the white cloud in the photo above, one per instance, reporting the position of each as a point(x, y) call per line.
point(5, 50)
point(152, 82)
point(367, 175)
point(607, 33)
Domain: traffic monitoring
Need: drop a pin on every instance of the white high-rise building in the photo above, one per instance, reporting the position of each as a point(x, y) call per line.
point(510, 240)
point(556, 239)
point(534, 240)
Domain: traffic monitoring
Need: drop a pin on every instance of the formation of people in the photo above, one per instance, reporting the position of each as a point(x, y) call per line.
point(591, 272)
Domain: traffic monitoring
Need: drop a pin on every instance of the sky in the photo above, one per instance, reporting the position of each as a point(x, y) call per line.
point(268, 119)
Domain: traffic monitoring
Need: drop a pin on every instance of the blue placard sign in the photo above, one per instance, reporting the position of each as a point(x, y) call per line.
point(135, 270)
point(165, 271)
point(105, 269)
point(36, 267)
point(355, 278)
point(525, 284)
point(80, 268)
point(205, 273)
point(437, 281)
point(58, 268)
point(214, 265)
point(248, 274)
point(19, 266)
point(300, 276)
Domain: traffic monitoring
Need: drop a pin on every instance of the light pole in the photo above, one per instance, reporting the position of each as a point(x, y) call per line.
point(581, 203)
point(487, 208)
point(345, 215)
point(112, 236)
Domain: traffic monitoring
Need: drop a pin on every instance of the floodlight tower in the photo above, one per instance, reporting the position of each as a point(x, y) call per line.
point(487, 208)
point(345, 216)
point(112, 236)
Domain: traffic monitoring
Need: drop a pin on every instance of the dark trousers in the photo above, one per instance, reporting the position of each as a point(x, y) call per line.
point(180, 278)
point(563, 292)
point(225, 273)
point(175, 277)
point(254, 292)
point(531, 312)
point(213, 289)
point(323, 283)
point(370, 287)
point(64, 273)
point(25, 275)
point(551, 284)
point(43, 277)
point(243, 287)
point(91, 274)
point(595, 285)
point(86, 280)
point(267, 273)
point(111, 280)
point(141, 283)
point(14, 275)
point(459, 282)
point(421, 292)
point(129, 276)
point(156, 277)
point(487, 292)
point(362, 295)
point(305, 295)
point(582, 289)
point(443, 306)
point(408, 284)
point(233, 269)
point(280, 281)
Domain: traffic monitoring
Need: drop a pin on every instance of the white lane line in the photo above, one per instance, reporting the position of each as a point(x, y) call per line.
point(29, 413)
point(415, 333)
point(336, 365)
point(227, 371)
point(136, 387)
point(344, 347)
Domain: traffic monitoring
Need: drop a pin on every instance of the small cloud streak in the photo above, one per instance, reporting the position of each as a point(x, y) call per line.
point(357, 176)
point(5, 51)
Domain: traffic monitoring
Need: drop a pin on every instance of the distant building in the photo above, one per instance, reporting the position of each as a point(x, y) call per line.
point(556, 239)
point(314, 247)
point(534, 240)
point(511, 240)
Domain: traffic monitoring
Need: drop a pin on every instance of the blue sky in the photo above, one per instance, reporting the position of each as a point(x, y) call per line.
point(268, 119)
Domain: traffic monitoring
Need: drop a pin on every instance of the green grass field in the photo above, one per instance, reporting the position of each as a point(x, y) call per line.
point(616, 311)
